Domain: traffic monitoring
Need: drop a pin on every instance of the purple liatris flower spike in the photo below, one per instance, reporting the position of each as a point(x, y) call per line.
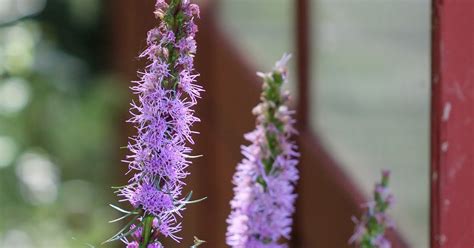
point(163, 116)
point(370, 229)
point(263, 204)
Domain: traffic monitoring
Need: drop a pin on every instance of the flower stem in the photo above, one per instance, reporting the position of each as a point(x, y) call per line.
point(146, 233)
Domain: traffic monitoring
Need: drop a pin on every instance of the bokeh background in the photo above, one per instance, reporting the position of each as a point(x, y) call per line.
point(60, 108)
point(64, 72)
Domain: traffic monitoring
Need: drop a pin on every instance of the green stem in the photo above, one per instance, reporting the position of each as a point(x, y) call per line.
point(271, 94)
point(146, 233)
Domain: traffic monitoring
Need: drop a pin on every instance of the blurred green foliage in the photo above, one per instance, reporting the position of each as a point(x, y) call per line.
point(60, 114)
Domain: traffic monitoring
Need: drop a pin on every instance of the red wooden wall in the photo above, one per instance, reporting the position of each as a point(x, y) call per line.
point(452, 169)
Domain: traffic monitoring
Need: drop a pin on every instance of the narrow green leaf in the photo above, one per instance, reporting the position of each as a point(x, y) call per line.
point(119, 209)
point(123, 217)
point(197, 242)
point(119, 233)
point(195, 201)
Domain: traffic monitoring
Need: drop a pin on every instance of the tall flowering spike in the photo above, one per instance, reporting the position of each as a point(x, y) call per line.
point(370, 229)
point(264, 182)
point(163, 116)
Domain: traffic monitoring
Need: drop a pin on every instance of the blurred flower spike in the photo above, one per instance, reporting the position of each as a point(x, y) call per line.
point(263, 203)
point(370, 229)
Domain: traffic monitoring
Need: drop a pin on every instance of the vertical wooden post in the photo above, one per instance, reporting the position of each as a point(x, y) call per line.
point(303, 53)
point(452, 145)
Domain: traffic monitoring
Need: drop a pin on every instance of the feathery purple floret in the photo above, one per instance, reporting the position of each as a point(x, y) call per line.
point(370, 229)
point(264, 182)
point(163, 117)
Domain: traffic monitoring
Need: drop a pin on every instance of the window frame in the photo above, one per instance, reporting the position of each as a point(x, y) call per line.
point(343, 197)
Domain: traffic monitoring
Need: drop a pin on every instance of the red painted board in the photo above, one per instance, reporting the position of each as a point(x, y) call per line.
point(452, 130)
